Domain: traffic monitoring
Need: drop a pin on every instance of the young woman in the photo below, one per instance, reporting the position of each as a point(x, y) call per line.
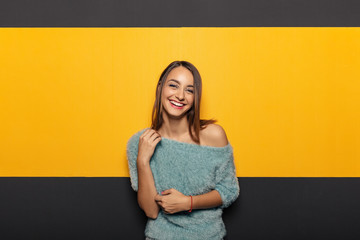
point(182, 167)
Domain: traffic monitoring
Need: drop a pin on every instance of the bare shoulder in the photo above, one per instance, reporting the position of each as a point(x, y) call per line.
point(214, 135)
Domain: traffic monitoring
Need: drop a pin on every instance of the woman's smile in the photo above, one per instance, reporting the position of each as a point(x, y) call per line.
point(176, 104)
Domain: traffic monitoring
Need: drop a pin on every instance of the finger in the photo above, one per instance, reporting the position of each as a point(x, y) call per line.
point(152, 132)
point(153, 135)
point(155, 138)
point(145, 133)
point(157, 198)
point(166, 192)
point(149, 134)
point(169, 212)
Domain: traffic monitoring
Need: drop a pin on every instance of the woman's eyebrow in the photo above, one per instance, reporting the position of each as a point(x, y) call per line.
point(179, 82)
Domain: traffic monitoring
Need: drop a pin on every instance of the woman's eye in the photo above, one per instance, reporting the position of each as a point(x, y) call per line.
point(189, 90)
point(172, 85)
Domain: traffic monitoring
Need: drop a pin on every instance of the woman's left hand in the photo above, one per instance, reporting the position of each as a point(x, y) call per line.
point(173, 201)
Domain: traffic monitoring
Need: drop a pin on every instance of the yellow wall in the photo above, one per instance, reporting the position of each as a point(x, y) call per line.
point(288, 98)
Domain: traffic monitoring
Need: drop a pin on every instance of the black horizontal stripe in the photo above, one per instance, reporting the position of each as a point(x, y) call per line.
point(187, 13)
point(106, 208)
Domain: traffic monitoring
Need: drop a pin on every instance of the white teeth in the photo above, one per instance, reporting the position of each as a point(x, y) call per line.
point(177, 104)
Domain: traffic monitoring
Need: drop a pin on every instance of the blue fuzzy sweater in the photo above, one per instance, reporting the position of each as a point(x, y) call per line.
point(193, 170)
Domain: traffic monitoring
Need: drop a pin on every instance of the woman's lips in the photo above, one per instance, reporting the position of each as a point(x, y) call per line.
point(175, 105)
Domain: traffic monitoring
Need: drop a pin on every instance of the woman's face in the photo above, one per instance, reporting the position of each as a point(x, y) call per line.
point(178, 92)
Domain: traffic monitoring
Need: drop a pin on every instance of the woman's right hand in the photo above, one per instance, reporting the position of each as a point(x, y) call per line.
point(147, 143)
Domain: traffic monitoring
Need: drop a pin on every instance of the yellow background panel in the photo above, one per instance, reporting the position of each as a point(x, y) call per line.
point(288, 98)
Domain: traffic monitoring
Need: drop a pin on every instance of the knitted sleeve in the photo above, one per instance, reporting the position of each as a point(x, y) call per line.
point(132, 152)
point(227, 183)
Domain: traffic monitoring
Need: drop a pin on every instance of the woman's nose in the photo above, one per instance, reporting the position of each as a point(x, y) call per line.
point(180, 95)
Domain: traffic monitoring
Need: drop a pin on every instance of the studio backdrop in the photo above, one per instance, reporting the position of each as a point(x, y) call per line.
point(78, 78)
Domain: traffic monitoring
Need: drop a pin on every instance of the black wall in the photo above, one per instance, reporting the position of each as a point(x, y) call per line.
point(106, 208)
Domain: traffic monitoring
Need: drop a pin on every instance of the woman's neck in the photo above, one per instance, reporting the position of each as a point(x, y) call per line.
point(174, 128)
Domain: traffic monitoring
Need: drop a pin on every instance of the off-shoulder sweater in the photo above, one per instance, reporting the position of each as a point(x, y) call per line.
point(193, 170)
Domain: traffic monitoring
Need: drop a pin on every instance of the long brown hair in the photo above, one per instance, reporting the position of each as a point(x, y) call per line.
point(193, 115)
